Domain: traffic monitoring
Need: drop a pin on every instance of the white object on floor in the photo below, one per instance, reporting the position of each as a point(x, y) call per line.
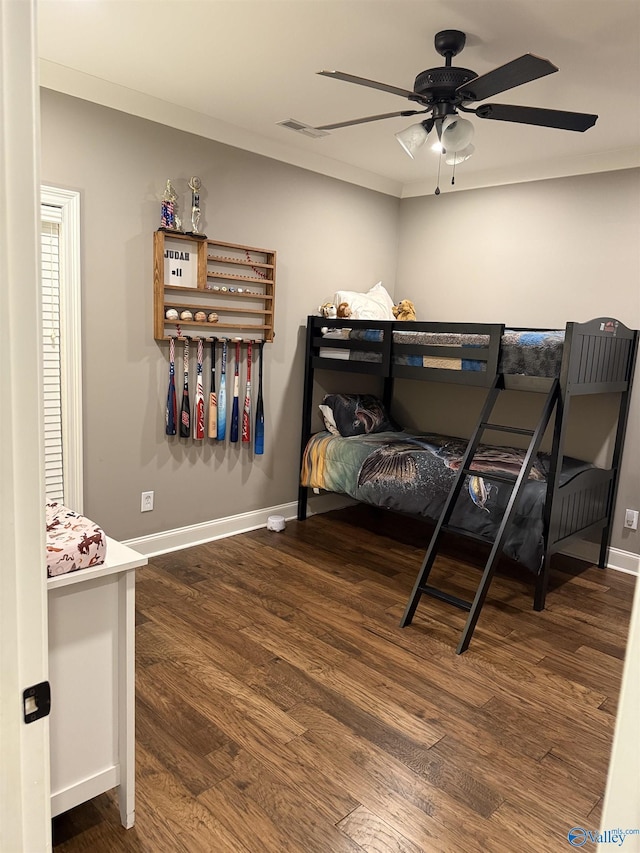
point(276, 522)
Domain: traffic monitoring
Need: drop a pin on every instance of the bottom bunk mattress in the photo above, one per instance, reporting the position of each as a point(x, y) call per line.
point(73, 541)
point(413, 474)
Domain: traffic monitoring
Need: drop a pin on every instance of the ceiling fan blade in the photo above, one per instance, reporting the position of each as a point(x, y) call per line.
point(362, 81)
point(515, 73)
point(534, 115)
point(369, 118)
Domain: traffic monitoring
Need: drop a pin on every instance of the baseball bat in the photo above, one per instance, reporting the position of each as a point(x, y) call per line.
point(171, 413)
point(185, 411)
point(222, 395)
point(198, 409)
point(259, 439)
point(213, 403)
point(246, 412)
point(235, 411)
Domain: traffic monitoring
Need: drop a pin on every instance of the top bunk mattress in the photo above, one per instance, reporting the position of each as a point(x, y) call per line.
point(523, 352)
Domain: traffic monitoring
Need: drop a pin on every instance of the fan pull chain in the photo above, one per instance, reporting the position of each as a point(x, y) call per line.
point(438, 182)
point(453, 173)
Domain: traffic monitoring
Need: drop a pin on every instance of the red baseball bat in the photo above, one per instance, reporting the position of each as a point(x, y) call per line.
point(246, 412)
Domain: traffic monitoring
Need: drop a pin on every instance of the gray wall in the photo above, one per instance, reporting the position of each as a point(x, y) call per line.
point(328, 235)
point(527, 254)
point(531, 254)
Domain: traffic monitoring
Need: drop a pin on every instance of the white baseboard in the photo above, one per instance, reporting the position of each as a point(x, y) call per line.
point(621, 561)
point(197, 534)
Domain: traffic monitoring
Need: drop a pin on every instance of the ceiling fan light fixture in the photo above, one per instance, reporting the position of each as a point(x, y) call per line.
point(455, 133)
point(454, 158)
point(412, 138)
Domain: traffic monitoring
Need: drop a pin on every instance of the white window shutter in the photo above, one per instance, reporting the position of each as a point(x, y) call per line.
point(53, 438)
point(62, 345)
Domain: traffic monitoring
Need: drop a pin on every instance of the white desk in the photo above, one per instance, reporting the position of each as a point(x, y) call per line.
point(92, 676)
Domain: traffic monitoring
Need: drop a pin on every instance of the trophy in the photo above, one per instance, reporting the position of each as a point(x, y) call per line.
point(194, 184)
point(168, 220)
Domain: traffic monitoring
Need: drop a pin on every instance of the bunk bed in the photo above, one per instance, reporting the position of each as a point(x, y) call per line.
point(518, 501)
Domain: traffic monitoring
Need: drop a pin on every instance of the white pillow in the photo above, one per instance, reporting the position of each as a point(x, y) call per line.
point(329, 419)
point(376, 304)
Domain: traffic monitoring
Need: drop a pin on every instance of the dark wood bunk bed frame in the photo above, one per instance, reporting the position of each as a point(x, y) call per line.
point(598, 357)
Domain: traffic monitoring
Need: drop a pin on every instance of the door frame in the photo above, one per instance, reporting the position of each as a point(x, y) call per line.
point(24, 770)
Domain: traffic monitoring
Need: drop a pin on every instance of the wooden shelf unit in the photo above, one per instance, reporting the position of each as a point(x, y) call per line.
point(210, 272)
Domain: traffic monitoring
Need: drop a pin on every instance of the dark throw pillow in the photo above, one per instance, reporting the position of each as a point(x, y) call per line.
point(358, 414)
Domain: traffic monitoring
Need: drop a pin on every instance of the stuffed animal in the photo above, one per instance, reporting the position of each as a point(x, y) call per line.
point(343, 310)
point(404, 310)
point(328, 310)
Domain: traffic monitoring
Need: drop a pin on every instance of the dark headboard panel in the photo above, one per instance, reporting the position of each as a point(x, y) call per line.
point(599, 356)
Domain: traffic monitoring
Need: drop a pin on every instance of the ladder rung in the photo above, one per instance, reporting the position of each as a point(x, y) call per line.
point(468, 534)
point(445, 596)
point(503, 428)
point(487, 475)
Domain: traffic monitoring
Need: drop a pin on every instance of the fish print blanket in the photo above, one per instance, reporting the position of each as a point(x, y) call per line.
point(413, 474)
point(73, 541)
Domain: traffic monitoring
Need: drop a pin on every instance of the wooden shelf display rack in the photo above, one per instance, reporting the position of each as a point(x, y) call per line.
point(236, 282)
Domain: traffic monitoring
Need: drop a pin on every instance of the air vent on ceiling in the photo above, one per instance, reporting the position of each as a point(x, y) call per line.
point(301, 127)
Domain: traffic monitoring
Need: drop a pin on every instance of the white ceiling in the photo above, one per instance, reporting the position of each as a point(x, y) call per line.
point(231, 69)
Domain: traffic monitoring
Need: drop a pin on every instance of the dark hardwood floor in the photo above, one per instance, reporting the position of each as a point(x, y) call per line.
point(281, 708)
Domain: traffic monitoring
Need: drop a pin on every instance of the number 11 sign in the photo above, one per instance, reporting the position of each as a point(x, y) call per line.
point(180, 263)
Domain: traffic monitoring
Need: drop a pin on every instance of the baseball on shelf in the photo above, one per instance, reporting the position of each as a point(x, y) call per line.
point(171, 314)
point(200, 316)
point(213, 317)
point(186, 315)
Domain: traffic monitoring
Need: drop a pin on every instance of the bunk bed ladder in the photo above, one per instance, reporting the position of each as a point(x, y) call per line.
point(517, 484)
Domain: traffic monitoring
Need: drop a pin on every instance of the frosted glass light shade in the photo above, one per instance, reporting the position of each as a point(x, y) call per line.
point(412, 137)
point(456, 133)
point(455, 157)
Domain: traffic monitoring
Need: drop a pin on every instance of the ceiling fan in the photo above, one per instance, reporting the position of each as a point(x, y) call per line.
point(445, 91)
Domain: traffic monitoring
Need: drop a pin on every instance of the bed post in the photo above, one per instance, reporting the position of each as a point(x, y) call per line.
point(387, 383)
point(555, 469)
point(307, 402)
point(623, 414)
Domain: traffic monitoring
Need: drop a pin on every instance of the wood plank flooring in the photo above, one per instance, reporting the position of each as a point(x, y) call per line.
point(281, 708)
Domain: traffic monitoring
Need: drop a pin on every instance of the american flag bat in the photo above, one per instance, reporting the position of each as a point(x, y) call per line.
point(246, 412)
point(185, 411)
point(235, 411)
point(222, 395)
point(258, 446)
point(198, 410)
point(171, 414)
point(213, 403)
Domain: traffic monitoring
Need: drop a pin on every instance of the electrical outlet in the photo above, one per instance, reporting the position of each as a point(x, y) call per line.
point(631, 519)
point(146, 501)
